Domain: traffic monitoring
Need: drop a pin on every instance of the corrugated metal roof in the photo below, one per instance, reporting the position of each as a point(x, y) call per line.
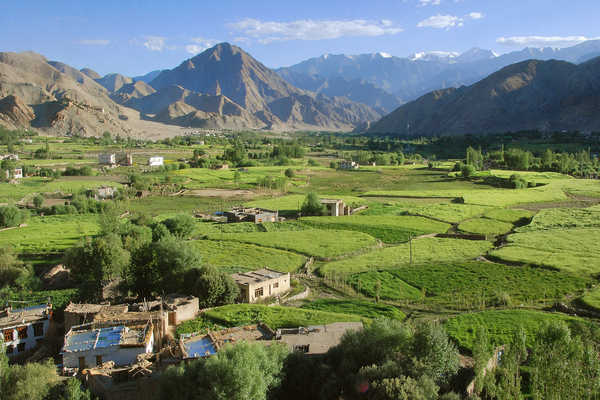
point(94, 339)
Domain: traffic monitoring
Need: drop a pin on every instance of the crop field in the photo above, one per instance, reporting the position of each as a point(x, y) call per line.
point(564, 218)
point(502, 325)
point(449, 212)
point(466, 285)
point(485, 226)
point(50, 234)
point(571, 250)
point(364, 308)
point(294, 202)
point(15, 192)
point(275, 317)
point(201, 178)
point(512, 216)
point(157, 205)
point(425, 251)
point(592, 299)
point(389, 229)
point(319, 243)
point(236, 257)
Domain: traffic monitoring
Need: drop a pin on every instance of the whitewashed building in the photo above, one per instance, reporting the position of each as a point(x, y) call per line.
point(18, 173)
point(156, 161)
point(86, 347)
point(260, 284)
point(107, 159)
point(22, 329)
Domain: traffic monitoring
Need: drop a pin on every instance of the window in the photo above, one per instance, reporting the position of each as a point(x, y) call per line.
point(9, 335)
point(22, 332)
point(38, 329)
point(302, 348)
point(99, 361)
point(10, 349)
point(258, 292)
point(275, 285)
point(21, 347)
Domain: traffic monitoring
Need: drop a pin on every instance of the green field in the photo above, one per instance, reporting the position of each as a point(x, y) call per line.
point(15, 192)
point(450, 212)
point(592, 299)
point(275, 317)
point(485, 226)
point(564, 218)
point(363, 308)
point(318, 243)
point(236, 257)
point(157, 205)
point(425, 251)
point(293, 202)
point(389, 229)
point(508, 215)
point(467, 285)
point(501, 325)
point(571, 250)
point(50, 234)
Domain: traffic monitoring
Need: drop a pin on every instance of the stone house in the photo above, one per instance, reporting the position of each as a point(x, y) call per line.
point(22, 329)
point(261, 284)
point(335, 207)
point(107, 159)
point(347, 164)
point(314, 340)
point(156, 161)
point(255, 215)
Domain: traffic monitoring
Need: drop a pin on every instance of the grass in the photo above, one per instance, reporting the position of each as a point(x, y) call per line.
point(592, 299)
point(236, 257)
point(274, 316)
point(50, 234)
point(485, 226)
point(571, 250)
point(502, 325)
point(15, 192)
point(294, 202)
point(318, 243)
point(564, 218)
point(156, 205)
point(389, 229)
point(508, 215)
point(425, 251)
point(466, 285)
point(363, 308)
point(450, 212)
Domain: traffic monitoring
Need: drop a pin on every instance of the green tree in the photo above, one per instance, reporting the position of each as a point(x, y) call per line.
point(212, 286)
point(38, 200)
point(11, 216)
point(312, 205)
point(181, 225)
point(245, 371)
point(32, 381)
point(289, 173)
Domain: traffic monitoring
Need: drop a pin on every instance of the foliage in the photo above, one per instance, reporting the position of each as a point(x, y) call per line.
point(312, 205)
point(245, 371)
point(318, 243)
point(12, 270)
point(32, 381)
point(212, 286)
point(181, 225)
point(11, 216)
point(424, 251)
point(363, 308)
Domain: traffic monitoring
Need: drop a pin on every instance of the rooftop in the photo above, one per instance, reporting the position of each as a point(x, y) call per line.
point(260, 275)
point(89, 339)
point(206, 345)
point(317, 339)
point(331, 201)
point(83, 308)
point(24, 315)
point(250, 210)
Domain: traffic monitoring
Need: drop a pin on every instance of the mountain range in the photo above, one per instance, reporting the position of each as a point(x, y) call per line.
point(403, 79)
point(531, 95)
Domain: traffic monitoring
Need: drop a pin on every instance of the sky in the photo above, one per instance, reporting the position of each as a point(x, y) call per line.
point(138, 36)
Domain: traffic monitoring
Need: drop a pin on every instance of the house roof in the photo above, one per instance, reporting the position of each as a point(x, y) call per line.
point(319, 338)
point(257, 276)
point(24, 315)
point(90, 339)
point(331, 201)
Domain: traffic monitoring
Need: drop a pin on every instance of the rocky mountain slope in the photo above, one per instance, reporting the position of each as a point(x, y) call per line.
point(544, 95)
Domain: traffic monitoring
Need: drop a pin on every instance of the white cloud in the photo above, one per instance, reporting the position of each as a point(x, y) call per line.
point(271, 31)
point(94, 42)
point(543, 41)
point(200, 44)
point(441, 22)
point(423, 3)
point(476, 15)
point(154, 43)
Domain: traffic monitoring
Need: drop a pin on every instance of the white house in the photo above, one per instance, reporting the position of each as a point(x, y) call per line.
point(23, 328)
point(156, 161)
point(86, 347)
point(107, 159)
point(18, 173)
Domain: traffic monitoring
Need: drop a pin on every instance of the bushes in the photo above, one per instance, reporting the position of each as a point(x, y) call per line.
point(312, 205)
point(11, 216)
point(86, 170)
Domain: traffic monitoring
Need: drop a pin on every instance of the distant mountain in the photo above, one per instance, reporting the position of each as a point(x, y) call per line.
point(90, 73)
point(148, 77)
point(228, 71)
point(408, 78)
point(544, 95)
point(114, 82)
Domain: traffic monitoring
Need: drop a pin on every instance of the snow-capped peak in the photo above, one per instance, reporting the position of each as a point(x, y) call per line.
point(385, 55)
point(434, 56)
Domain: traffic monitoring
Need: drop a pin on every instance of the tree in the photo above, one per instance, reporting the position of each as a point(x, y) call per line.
point(212, 286)
point(181, 225)
point(32, 381)
point(13, 272)
point(11, 216)
point(38, 200)
point(245, 371)
point(289, 173)
point(98, 260)
point(312, 205)
point(467, 171)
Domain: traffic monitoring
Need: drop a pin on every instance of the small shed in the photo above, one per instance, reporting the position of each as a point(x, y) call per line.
point(156, 161)
point(260, 284)
point(251, 214)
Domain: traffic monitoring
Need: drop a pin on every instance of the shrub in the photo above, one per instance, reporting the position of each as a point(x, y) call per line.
point(312, 205)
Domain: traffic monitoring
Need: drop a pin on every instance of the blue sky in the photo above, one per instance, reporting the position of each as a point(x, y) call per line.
point(135, 37)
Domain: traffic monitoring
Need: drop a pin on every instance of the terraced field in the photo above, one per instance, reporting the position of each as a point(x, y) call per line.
point(485, 226)
point(323, 244)
point(425, 251)
point(368, 309)
point(389, 229)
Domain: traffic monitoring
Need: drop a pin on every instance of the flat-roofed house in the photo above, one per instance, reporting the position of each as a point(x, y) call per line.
point(23, 328)
point(156, 161)
point(251, 214)
point(107, 159)
point(260, 284)
point(316, 339)
point(85, 346)
point(335, 207)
